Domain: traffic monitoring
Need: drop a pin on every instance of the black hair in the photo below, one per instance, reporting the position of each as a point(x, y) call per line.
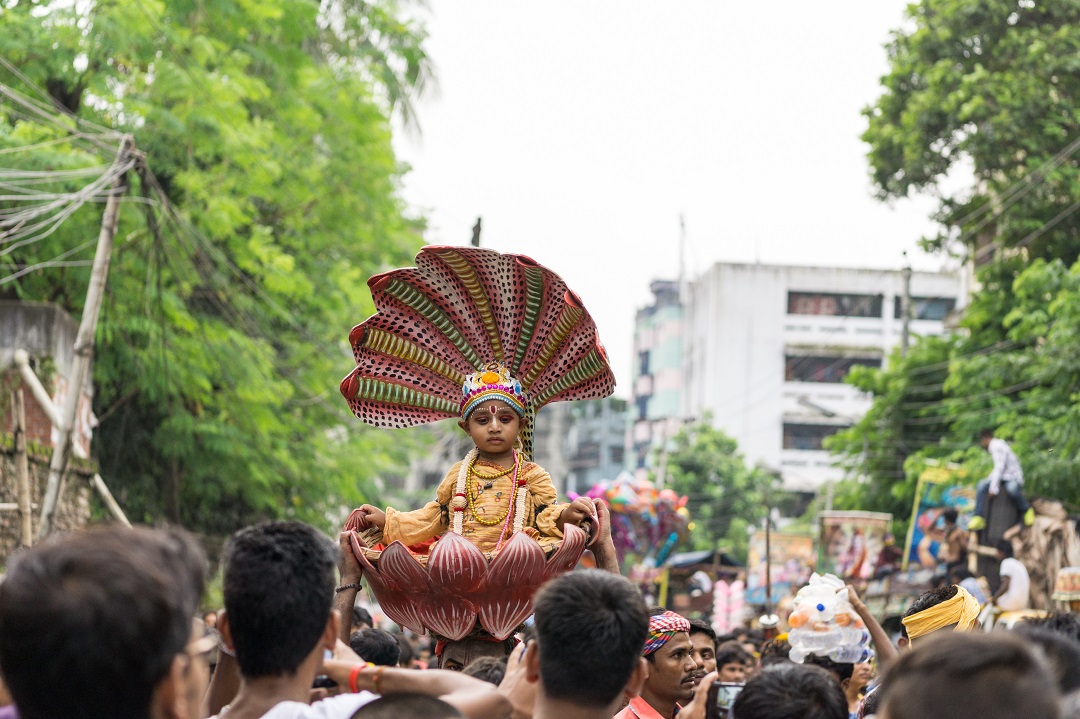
point(698, 626)
point(489, 669)
point(376, 646)
point(1065, 623)
point(407, 652)
point(1005, 547)
point(361, 618)
point(1062, 654)
point(733, 653)
point(721, 638)
point(950, 515)
point(990, 676)
point(279, 592)
point(90, 622)
point(405, 706)
point(594, 609)
point(791, 691)
point(774, 651)
point(986, 433)
point(842, 670)
point(930, 599)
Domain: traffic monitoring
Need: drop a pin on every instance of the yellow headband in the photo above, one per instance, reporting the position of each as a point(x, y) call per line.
point(962, 610)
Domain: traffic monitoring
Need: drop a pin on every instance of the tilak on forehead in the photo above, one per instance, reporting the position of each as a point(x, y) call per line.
point(493, 382)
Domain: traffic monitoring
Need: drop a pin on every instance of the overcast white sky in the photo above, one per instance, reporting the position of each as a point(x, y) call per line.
point(581, 130)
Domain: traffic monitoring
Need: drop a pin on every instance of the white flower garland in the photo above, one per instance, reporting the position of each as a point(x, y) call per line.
point(458, 502)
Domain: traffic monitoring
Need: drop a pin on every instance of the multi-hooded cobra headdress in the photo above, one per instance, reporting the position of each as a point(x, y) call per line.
point(462, 313)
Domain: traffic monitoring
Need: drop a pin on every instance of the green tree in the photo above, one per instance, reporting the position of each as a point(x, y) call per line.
point(988, 88)
point(981, 88)
point(725, 496)
point(272, 195)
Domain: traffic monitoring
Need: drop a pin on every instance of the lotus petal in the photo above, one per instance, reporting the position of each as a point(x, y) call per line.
point(512, 579)
point(457, 568)
point(569, 552)
point(401, 584)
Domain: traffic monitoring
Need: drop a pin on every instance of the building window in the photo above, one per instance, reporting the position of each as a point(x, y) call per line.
point(617, 454)
point(642, 407)
point(823, 369)
point(808, 436)
point(643, 362)
point(927, 308)
point(835, 305)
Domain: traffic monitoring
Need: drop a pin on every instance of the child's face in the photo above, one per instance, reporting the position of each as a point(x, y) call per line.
point(493, 427)
point(731, 672)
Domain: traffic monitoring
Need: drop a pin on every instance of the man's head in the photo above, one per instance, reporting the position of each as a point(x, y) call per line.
point(791, 691)
point(947, 607)
point(405, 706)
point(842, 671)
point(361, 618)
point(703, 638)
point(732, 663)
point(376, 646)
point(985, 435)
point(1061, 652)
point(279, 591)
point(96, 624)
point(673, 670)
point(1065, 623)
point(590, 627)
point(990, 676)
point(949, 515)
point(1004, 549)
point(489, 669)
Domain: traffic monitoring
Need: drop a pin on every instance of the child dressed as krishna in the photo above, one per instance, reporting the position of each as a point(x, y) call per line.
point(494, 492)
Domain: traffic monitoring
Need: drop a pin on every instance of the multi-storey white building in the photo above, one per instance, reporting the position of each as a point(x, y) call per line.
point(766, 349)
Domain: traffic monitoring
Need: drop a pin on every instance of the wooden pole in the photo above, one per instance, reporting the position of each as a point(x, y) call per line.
point(84, 345)
point(22, 470)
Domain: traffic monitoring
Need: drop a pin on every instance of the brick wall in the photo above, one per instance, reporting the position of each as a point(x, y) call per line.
point(73, 510)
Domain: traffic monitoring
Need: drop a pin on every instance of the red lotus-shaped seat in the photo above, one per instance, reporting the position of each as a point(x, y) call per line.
point(459, 587)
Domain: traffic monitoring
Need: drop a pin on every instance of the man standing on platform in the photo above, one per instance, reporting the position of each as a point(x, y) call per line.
point(1006, 473)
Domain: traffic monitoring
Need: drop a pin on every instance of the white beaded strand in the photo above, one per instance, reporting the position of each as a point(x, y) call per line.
point(457, 502)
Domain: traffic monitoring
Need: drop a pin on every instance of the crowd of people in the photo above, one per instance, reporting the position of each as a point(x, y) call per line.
point(104, 623)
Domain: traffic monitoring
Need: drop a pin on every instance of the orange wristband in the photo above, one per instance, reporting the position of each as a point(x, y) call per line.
point(354, 674)
point(378, 678)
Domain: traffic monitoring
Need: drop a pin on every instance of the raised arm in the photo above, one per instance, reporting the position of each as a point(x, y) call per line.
point(886, 652)
point(348, 585)
point(474, 698)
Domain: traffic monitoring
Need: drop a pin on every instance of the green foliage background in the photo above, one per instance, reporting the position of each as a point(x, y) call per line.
point(986, 90)
point(223, 332)
point(725, 496)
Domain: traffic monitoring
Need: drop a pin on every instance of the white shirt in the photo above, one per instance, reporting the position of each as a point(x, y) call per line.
point(1006, 465)
point(343, 706)
point(1016, 597)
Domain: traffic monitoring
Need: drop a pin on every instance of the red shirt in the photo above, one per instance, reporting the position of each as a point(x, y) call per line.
point(638, 708)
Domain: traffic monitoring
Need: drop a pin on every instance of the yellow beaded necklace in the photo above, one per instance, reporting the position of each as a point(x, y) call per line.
point(471, 493)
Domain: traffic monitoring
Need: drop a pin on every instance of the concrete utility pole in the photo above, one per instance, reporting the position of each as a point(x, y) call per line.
point(905, 311)
point(84, 344)
point(22, 470)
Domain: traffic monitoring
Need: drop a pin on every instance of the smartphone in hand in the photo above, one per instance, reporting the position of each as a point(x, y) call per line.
point(721, 699)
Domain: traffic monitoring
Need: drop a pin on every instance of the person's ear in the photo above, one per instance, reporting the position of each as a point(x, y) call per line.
point(225, 630)
point(170, 700)
point(331, 630)
point(531, 659)
point(902, 643)
point(464, 426)
point(845, 683)
point(637, 679)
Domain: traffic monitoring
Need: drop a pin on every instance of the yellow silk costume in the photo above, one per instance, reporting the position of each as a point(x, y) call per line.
point(541, 509)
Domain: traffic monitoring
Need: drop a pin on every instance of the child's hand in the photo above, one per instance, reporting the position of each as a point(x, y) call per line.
point(577, 512)
point(374, 516)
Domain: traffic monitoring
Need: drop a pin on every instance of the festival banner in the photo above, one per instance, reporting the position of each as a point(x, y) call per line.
point(851, 543)
point(792, 560)
point(935, 492)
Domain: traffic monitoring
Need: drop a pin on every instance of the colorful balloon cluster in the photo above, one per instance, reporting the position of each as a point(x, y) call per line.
point(644, 520)
point(825, 624)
